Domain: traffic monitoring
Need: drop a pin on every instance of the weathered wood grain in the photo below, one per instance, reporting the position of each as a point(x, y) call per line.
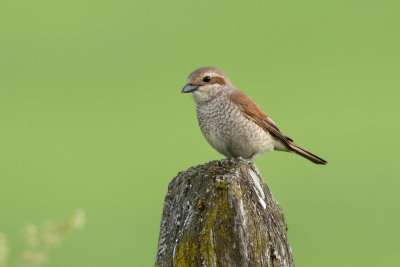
point(222, 214)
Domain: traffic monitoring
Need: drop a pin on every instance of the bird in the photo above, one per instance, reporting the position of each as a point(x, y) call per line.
point(232, 122)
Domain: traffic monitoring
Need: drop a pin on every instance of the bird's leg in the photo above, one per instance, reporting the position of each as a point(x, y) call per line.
point(251, 157)
point(248, 160)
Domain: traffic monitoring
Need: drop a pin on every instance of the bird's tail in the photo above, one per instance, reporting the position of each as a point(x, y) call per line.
point(307, 154)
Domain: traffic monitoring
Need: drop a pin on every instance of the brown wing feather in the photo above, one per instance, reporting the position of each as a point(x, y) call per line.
point(255, 113)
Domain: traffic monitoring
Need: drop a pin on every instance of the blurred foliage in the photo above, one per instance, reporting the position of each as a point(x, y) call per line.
point(4, 250)
point(40, 239)
point(92, 116)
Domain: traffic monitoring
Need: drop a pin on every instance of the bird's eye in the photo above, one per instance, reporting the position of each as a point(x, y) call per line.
point(207, 79)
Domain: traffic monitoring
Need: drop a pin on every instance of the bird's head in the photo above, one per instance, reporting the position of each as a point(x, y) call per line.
point(206, 83)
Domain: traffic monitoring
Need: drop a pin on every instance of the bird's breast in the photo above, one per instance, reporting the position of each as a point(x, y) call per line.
point(229, 131)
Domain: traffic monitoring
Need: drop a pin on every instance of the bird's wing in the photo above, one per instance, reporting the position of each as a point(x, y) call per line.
point(255, 113)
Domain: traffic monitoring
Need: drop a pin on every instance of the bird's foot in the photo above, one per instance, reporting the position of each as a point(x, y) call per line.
point(240, 159)
point(247, 160)
point(252, 157)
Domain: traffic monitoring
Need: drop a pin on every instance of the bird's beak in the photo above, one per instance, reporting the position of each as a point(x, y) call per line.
point(188, 88)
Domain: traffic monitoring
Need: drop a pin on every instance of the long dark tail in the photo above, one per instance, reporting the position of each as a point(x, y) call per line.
point(307, 154)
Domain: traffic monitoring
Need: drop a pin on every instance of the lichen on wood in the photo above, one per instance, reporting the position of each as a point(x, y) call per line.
point(222, 214)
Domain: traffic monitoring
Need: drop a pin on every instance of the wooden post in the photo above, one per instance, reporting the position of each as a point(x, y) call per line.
point(222, 214)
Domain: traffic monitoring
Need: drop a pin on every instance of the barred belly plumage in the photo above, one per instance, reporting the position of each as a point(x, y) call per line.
point(230, 132)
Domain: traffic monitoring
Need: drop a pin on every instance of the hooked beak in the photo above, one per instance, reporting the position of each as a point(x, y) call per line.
point(188, 88)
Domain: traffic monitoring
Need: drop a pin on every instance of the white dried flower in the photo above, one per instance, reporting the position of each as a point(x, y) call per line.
point(4, 251)
point(31, 235)
point(78, 219)
point(33, 257)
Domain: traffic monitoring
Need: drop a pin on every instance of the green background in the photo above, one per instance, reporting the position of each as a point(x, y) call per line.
point(91, 117)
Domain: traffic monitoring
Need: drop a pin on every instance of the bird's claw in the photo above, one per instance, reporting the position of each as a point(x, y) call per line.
point(248, 160)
